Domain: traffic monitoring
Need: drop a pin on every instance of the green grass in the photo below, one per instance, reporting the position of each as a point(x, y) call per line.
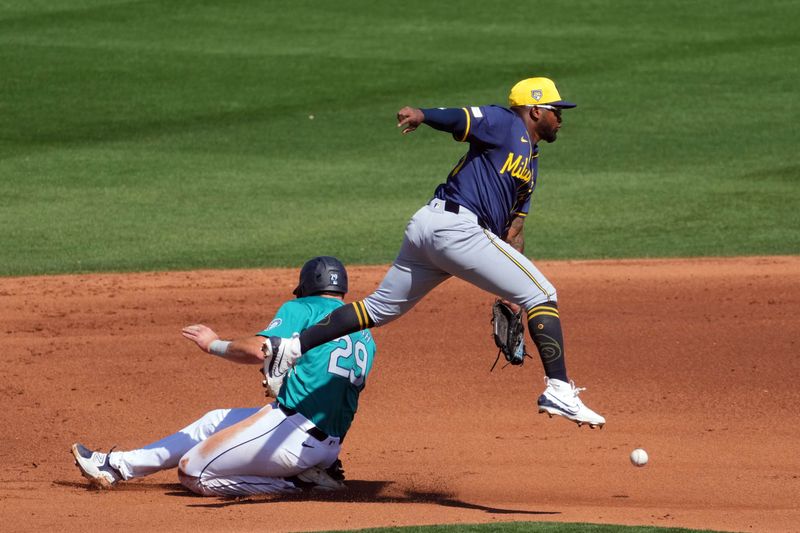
point(524, 527)
point(176, 135)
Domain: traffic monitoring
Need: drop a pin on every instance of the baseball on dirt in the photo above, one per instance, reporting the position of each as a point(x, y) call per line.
point(639, 457)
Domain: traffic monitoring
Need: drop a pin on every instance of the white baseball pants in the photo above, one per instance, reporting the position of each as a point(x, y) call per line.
point(234, 452)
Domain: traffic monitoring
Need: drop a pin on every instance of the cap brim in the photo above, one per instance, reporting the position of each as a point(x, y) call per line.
point(562, 104)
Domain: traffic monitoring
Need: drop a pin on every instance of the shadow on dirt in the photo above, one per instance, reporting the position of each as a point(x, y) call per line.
point(360, 491)
point(357, 491)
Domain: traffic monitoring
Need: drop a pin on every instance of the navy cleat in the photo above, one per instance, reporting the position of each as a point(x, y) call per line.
point(94, 467)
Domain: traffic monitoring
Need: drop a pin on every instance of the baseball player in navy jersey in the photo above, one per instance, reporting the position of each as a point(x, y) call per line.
point(286, 446)
point(473, 229)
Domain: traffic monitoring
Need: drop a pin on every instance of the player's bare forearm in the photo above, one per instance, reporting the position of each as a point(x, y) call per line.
point(516, 234)
point(246, 350)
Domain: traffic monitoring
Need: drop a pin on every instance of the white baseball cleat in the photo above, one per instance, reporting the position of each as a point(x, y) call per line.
point(94, 467)
point(561, 398)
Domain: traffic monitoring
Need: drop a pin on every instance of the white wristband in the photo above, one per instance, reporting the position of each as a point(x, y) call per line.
point(218, 347)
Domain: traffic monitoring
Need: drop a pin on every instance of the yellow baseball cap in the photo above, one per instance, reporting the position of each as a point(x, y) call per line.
point(537, 91)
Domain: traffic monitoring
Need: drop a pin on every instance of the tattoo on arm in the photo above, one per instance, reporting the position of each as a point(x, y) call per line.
point(516, 236)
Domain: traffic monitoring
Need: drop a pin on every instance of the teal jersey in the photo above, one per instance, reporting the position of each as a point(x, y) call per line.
point(325, 384)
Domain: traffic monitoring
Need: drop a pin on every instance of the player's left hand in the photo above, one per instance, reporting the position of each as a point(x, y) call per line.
point(202, 335)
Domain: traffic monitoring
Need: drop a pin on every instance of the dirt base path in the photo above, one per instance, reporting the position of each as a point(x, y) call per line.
point(694, 360)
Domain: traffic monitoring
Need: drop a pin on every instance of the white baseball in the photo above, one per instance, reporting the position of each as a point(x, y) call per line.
point(639, 457)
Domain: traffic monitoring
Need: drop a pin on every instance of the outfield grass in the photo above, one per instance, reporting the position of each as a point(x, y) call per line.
point(177, 135)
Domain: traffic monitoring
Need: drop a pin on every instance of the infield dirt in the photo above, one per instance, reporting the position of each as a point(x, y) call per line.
point(695, 361)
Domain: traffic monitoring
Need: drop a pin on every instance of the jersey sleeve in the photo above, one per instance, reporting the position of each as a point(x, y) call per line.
point(290, 318)
point(451, 120)
point(488, 125)
point(522, 209)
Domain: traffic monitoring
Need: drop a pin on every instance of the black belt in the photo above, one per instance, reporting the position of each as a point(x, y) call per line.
point(314, 431)
point(452, 207)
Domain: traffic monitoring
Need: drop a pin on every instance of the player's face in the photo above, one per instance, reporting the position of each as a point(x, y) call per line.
point(549, 124)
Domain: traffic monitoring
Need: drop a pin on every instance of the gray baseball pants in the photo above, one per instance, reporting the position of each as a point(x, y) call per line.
point(438, 244)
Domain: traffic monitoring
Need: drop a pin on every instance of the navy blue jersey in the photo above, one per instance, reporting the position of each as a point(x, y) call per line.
point(497, 175)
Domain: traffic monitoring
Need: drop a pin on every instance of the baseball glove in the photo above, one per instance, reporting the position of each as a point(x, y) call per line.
point(509, 334)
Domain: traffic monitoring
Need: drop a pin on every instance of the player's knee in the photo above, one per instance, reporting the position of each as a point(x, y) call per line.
point(189, 465)
point(539, 298)
point(382, 310)
point(192, 483)
point(553, 296)
point(189, 475)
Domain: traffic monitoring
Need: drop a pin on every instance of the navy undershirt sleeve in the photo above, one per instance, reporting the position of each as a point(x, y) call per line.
point(452, 120)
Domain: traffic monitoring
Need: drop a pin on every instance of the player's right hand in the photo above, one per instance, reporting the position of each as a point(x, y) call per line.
point(202, 335)
point(409, 118)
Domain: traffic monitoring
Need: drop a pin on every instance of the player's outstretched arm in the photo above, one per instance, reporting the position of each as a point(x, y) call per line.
point(451, 120)
point(246, 350)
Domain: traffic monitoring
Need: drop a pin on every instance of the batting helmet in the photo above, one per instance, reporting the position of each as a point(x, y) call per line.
point(322, 274)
